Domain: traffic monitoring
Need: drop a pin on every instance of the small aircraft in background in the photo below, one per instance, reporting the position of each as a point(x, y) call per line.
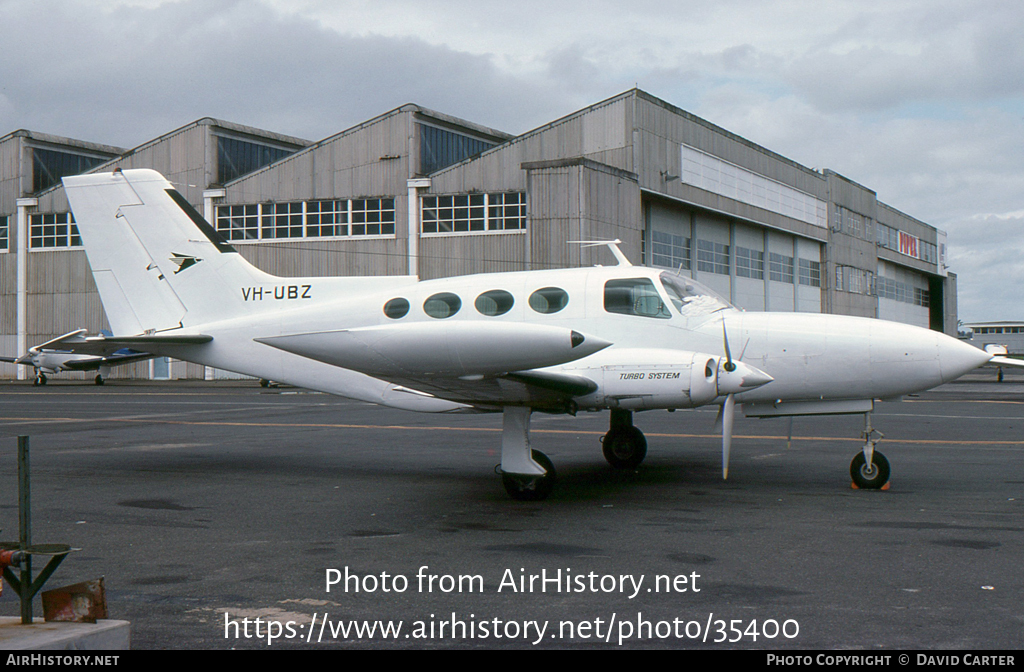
point(58, 355)
point(619, 338)
point(1001, 358)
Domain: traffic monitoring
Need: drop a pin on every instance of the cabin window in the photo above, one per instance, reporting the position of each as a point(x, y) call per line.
point(442, 305)
point(634, 296)
point(495, 302)
point(396, 308)
point(549, 300)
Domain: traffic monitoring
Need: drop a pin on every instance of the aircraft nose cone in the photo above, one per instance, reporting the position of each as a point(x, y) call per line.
point(957, 358)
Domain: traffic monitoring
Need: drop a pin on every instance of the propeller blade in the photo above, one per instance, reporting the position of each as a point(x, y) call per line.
point(728, 366)
point(728, 413)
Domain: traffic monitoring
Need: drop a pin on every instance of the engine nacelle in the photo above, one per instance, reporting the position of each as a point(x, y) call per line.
point(637, 379)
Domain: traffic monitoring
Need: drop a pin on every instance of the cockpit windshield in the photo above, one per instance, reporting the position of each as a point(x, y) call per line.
point(691, 298)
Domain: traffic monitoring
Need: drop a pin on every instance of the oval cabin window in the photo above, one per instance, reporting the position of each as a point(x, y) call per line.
point(495, 302)
point(396, 308)
point(549, 300)
point(442, 305)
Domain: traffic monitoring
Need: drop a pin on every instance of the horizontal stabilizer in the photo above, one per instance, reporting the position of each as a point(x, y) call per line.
point(442, 349)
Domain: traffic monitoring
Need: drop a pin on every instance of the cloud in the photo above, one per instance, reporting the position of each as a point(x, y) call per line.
point(148, 69)
point(922, 101)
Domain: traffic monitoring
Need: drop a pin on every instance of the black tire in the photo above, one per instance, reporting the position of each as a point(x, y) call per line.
point(264, 382)
point(98, 379)
point(624, 448)
point(531, 488)
point(41, 379)
point(869, 479)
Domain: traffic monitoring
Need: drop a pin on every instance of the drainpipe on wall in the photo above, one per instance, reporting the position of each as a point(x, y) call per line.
point(415, 225)
point(22, 281)
point(210, 214)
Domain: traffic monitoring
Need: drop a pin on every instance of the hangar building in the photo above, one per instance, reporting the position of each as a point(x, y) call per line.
point(419, 192)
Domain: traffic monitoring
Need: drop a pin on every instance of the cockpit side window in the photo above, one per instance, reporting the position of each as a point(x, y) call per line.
point(691, 298)
point(634, 296)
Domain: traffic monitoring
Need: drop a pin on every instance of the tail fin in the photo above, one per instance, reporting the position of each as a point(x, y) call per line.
point(157, 263)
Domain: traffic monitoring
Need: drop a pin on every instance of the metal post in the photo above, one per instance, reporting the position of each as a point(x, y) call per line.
point(25, 530)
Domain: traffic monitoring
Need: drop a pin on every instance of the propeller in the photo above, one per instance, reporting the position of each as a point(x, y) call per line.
point(733, 377)
point(728, 409)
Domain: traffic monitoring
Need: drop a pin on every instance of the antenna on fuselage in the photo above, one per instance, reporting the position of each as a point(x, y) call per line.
point(613, 245)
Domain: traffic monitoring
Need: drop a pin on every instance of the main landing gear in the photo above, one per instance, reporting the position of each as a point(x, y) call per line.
point(869, 468)
point(40, 379)
point(528, 475)
point(624, 445)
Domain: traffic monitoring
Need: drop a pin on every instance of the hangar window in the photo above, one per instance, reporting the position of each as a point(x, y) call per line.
point(237, 157)
point(442, 305)
point(495, 302)
point(929, 252)
point(780, 268)
point(308, 219)
point(373, 216)
point(326, 218)
point(54, 230)
point(634, 296)
point(5, 236)
point(712, 257)
point(887, 236)
point(48, 166)
point(440, 148)
point(474, 213)
point(549, 300)
point(396, 308)
point(239, 222)
point(810, 273)
point(282, 220)
point(749, 263)
point(860, 281)
point(669, 250)
point(506, 211)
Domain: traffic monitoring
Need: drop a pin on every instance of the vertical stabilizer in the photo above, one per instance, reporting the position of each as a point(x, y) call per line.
point(158, 264)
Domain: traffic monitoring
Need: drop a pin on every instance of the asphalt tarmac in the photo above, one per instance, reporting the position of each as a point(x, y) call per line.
point(219, 512)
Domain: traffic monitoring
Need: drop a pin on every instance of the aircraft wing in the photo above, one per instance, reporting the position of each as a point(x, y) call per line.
point(1006, 361)
point(108, 346)
point(90, 363)
point(13, 360)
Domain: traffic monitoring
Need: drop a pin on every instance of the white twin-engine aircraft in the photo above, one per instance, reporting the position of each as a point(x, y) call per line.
point(622, 338)
point(54, 357)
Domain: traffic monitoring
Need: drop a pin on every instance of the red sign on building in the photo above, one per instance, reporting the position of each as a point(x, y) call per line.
point(908, 245)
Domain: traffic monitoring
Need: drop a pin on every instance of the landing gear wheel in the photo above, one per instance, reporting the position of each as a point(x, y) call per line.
point(870, 477)
point(264, 382)
point(531, 488)
point(98, 379)
point(624, 447)
point(40, 380)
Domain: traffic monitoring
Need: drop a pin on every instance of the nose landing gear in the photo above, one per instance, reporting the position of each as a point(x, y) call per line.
point(869, 468)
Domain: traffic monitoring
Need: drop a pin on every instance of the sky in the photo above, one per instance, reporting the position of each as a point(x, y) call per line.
point(920, 100)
